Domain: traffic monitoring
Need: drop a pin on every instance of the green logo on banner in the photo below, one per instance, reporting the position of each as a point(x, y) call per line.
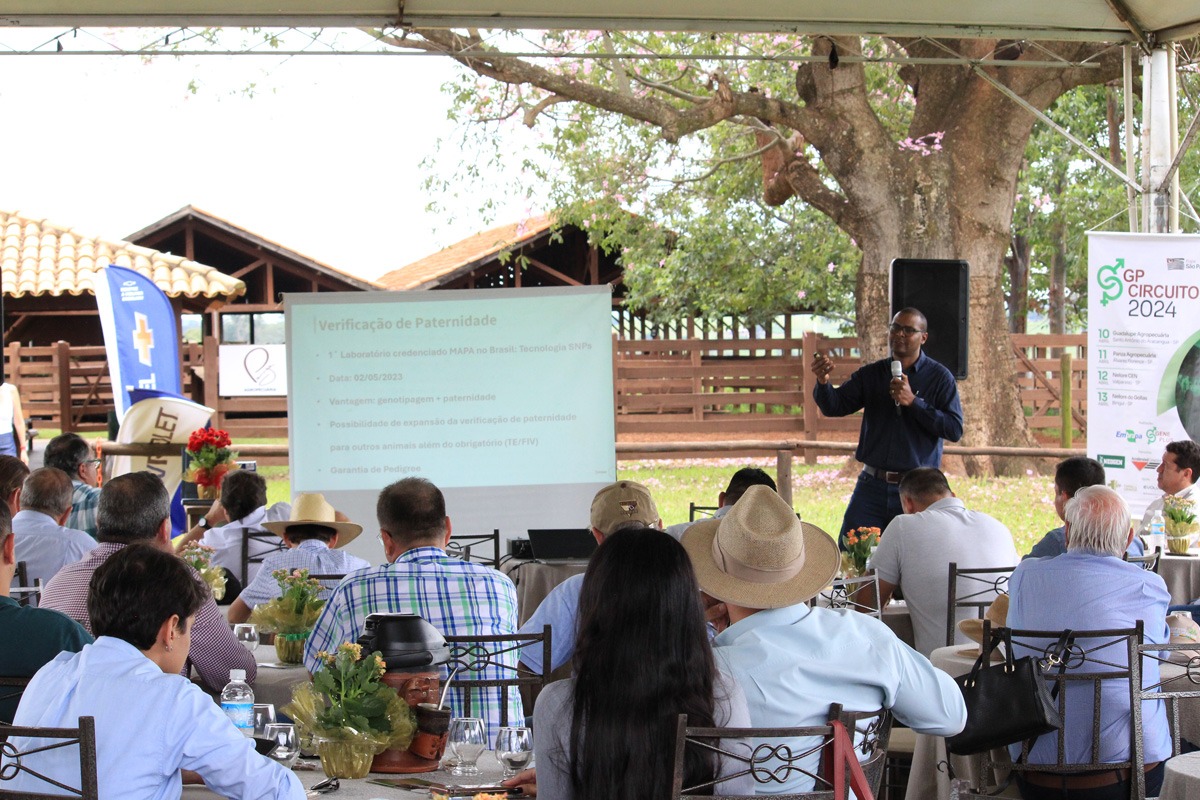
point(1113, 461)
point(1109, 282)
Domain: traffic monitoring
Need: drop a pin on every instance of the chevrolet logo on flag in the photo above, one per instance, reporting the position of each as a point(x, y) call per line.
point(143, 339)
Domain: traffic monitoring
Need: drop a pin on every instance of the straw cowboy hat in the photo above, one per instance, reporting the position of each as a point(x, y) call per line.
point(997, 614)
point(314, 509)
point(760, 555)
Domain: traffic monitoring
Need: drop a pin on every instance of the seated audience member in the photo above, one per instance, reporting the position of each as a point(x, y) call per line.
point(742, 480)
point(1090, 587)
point(150, 721)
point(312, 534)
point(42, 542)
point(459, 598)
point(792, 661)
point(135, 508)
point(1070, 476)
point(918, 546)
point(71, 453)
point(13, 472)
point(1177, 475)
point(641, 659)
point(243, 500)
point(32, 636)
point(620, 505)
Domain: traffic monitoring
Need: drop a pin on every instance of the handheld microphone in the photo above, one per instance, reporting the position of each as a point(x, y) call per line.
point(897, 372)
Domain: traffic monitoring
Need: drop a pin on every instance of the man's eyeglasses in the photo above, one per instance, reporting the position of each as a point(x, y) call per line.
point(95, 461)
point(905, 329)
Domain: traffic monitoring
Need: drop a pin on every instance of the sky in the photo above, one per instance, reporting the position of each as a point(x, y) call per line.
point(322, 157)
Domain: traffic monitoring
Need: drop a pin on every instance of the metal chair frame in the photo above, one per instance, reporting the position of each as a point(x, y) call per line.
point(985, 591)
point(460, 546)
point(1149, 562)
point(83, 736)
point(277, 543)
point(849, 593)
point(1103, 650)
point(695, 511)
point(473, 654)
point(774, 763)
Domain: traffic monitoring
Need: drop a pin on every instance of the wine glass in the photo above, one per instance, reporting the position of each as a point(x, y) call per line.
point(247, 634)
point(514, 749)
point(287, 743)
point(263, 714)
point(467, 741)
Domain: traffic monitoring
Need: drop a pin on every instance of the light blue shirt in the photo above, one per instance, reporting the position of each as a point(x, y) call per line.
point(312, 555)
point(1054, 543)
point(793, 662)
point(45, 546)
point(676, 531)
point(558, 610)
point(1084, 591)
point(149, 725)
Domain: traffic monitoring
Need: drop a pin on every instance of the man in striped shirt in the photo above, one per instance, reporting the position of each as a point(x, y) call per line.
point(458, 598)
point(135, 508)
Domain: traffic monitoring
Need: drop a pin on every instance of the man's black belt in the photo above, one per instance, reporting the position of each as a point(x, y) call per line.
point(883, 474)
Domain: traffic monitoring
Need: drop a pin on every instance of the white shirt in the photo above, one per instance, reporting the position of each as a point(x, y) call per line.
point(1158, 504)
point(227, 539)
point(676, 531)
point(915, 552)
point(45, 546)
point(149, 725)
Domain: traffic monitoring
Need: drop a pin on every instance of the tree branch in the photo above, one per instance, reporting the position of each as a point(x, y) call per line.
point(532, 114)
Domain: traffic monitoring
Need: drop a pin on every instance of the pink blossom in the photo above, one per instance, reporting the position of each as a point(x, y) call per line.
point(832, 267)
point(800, 295)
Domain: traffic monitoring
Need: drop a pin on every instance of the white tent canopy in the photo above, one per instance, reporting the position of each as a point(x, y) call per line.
point(1141, 21)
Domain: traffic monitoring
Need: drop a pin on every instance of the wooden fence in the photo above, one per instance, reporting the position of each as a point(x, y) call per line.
point(670, 386)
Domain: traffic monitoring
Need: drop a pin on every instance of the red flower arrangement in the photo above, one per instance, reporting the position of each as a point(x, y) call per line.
point(211, 456)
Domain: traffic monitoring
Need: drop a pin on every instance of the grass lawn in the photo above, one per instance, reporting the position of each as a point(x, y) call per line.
point(1025, 504)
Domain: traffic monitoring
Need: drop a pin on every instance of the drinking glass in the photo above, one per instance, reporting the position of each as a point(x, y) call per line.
point(263, 714)
point(287, 743)
point(467, 741)
point(514, 749)
point(247, 634)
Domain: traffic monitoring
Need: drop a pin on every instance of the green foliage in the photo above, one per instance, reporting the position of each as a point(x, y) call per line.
point(688, 216)
point(357, 697)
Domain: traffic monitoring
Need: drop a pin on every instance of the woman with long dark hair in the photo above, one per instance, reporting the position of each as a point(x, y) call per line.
point(641, 658)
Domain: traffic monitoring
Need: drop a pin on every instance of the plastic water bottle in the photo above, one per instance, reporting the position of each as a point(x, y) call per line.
point(237, 701)
point(1158, 532)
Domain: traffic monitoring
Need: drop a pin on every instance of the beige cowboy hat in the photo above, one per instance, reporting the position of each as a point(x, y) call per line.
point(760, 555)
point(314, 509)
point(997, 614)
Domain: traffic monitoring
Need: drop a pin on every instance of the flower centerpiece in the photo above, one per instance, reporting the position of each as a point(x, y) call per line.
point(199, 556)
point(859, 544)
point(1180, 518)
point(211, 458)
point(350, 712)
point(290, 616)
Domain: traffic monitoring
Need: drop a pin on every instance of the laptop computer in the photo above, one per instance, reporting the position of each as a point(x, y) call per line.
point(561, 545)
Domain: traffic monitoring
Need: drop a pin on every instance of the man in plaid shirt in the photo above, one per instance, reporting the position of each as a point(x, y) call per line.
point(457, 597)
point(135, 508)
point(71, 453)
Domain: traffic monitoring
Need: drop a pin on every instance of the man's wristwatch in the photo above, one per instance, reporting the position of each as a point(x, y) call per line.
point(203, 524)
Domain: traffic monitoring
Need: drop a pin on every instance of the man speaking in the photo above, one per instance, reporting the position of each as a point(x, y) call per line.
point(909, 403)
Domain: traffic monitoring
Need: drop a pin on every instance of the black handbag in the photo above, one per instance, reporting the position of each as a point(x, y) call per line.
point(1009, 701)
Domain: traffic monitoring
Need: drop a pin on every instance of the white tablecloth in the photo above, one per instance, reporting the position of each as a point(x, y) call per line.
point(363, 790)
point(1182, 779)
point(1182, 576)
point(274, 684)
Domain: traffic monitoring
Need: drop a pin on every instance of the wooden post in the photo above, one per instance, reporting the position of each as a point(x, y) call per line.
point(1065, 383)
point(807, 352)
point(13, 367)
point(211, 365)
point(62, 368)
point(697, 364)
point(783, 474)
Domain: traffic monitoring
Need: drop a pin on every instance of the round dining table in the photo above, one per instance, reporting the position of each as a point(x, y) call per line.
point(364, 789)
point(1182, 778)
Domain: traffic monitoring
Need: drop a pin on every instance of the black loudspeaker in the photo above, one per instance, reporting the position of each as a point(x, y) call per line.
point(940, 289)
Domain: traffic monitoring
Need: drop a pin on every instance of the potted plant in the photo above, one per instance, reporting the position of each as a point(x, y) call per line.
point(290, 616)
point(349, 712)
point(1180, 522)
point(211, 458)
point(860, 543)
point(199, 556)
